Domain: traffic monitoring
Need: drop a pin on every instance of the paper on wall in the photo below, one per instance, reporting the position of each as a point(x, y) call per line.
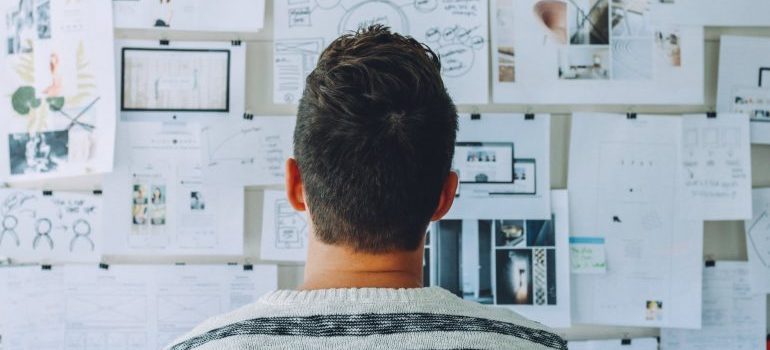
point(127, 307)
point(247, 152)
point(160, 203)
point(284, 230)
point(758, 241)
point(455, 30)
point(733, 314)
point(50, 227)
point(512, 262)
point(744, 82)
point(180, 80)
point(492, 185)
point(624, 183)
point(731, 13)
point(614, 344)
point(592, 52)
point(716, 155)
point(190, 15)
point(58, 97)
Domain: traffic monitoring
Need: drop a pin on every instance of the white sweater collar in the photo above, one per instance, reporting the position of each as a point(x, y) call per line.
point(368, 295)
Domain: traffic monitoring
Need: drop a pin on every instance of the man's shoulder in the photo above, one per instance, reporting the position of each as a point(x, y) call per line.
point(328, 323)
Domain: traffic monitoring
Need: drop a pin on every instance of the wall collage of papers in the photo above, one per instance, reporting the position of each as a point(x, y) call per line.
point(164, 124)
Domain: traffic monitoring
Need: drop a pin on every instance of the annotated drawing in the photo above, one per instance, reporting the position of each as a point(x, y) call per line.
point(455, 30)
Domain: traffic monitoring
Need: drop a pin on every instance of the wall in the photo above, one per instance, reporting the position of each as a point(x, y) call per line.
point(723, 240)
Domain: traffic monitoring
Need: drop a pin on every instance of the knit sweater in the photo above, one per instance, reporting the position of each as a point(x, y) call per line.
point(422, 318)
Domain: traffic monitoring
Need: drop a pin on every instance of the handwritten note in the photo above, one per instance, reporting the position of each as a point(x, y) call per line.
point(587, 255)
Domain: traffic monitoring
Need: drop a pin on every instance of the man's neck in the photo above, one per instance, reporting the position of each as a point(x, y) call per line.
point(331, 266)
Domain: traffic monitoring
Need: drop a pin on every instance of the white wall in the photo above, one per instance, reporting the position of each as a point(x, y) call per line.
point(723, 240)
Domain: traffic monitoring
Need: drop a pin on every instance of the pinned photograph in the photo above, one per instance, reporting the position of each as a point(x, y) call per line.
point(43, 19)
point(589, 22)
point(509, 233)
point(654, 310)
point(158, 205)
point(668, 47)
point(540, 233)
point(139, 205)
point(196, 201)
point(20, 24)
point(34, 153)
point(584, 63)
point(514, 277)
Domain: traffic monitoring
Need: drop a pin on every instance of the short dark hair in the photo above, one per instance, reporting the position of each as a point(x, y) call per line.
point(374, 140)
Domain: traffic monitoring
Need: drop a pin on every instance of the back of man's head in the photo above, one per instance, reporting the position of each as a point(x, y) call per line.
point(374, 141)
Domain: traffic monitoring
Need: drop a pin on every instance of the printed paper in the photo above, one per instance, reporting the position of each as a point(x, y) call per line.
point(758, 241)
point(190, 15)
point(284, 230)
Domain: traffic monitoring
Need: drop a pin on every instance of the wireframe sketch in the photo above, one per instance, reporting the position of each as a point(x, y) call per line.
point(291, 227)
point(58, 112)
point(758, 238)
point(456, 31)
point(56, 226)
point(190, 15)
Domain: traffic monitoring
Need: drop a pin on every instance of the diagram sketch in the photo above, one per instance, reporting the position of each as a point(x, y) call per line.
point(592, 51)
point(190, 15)
point(247, 152)
point(58, 104)
point(284, 230)
point(456, 31)
point(41, 226)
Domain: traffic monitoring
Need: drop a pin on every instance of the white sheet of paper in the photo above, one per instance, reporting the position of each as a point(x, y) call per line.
point(456, 31)
point(247, 152)
point(528, 196)
point(181, 80)
point(58, 97)
point(542, 54)
point(624, 186)
point(733, 13)
point(733, 315)
point(190, 15)
point(512, 262)
point(127, 307)
point(744, 81)
point(57, 228)
point(587, 255)
point(158, 201)
point(716, 155)
point(758, 241)
point(284, 230)
point(614, 344)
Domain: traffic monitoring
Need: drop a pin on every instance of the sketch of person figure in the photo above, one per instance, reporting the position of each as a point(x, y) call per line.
point(55, 88)
point(164, 14)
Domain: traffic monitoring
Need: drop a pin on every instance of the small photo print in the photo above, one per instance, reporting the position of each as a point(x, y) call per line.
point(43, 19)
point(20, 25)
point(629, 18)
point(158, 205)
point(506, 59)
point(584, 63)
point(196, 201)
point(654, 310)
point(540, 233)
point(514, 277)
point(668, 47)
point(139, 205)
point(589, 22)
point(509, 233)
point(552, 15)
point(37, 153)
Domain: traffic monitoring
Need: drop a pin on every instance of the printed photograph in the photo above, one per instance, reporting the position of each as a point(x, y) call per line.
point(139, 205)
point(20, 25)
point(584, 63)
point(44, 19)
point(158, 205)
point(540, 233)
point(630, 18)
point(654, 310)
point(552, 15)
point(35, 153)
point(589, 22)
point(196, 201)
point(514, 277)
point(509, 233)
point(668, 48)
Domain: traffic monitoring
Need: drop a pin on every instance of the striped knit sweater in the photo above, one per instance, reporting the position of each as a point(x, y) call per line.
point(425, 318)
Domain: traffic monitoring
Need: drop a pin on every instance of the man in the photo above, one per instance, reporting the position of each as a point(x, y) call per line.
point(373, 148)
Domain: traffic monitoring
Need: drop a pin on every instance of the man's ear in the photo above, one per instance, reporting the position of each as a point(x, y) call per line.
point(294, 186)
point(447, 196)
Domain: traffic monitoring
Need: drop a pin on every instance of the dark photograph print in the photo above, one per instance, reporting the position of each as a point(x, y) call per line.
point(514, 276)
point(35, 153)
